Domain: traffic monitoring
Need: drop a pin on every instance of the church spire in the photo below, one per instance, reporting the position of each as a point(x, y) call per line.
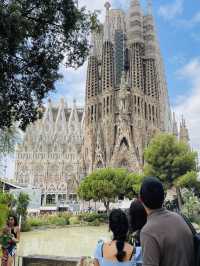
point(107, 23)
point(93, 50)
point(61, 124)
point(135, 16)
point(184, 134)
point(149, 8)
point(174, 126)
point(48, 116)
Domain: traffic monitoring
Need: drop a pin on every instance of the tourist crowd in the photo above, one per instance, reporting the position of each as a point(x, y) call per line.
point(162, 238)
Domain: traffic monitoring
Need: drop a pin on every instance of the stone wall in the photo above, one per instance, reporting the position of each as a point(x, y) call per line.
point(49, 261)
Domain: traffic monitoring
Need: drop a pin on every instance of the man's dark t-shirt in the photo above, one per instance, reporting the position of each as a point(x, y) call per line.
point(167, 240)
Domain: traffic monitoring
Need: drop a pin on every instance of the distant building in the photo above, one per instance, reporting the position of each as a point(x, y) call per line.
point(34, 196)
point(50, 156)
point(126, 104)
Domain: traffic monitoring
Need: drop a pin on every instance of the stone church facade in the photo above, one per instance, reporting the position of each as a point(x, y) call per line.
point(126, 104)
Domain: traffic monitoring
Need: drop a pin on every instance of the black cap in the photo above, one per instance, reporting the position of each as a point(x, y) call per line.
point(152, 193)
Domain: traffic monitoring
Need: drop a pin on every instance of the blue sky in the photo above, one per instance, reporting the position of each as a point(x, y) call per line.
point(178, 30)
point(177, 23)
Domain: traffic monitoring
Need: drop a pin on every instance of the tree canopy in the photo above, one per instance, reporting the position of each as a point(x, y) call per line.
point(35, 37)
point(170, 160)
point(107, 184)
point(8, 138)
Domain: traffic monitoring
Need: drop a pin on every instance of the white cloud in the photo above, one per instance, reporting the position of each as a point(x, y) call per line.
point(190, 106)
point(170, 11)
point(196, 18)
point(72, 86)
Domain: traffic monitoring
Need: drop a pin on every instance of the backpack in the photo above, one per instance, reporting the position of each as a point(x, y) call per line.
point(196, 241)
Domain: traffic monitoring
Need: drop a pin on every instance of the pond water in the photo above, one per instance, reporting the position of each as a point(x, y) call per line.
point(69, 241)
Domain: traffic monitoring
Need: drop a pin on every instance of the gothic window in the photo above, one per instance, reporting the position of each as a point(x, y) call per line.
point(107, 105)
point(124, 142)
point(149, 112)
point(62, 197)
point(153, 113)
point(137, 153)
point(104, 106)
point(99, 165)
point(51, 199)
point(92, 113)
point(123, 163)
point(95, 112)
point(100, 110)
point(145, 110)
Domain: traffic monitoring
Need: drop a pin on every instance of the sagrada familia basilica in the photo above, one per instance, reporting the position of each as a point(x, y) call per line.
point(126, 104)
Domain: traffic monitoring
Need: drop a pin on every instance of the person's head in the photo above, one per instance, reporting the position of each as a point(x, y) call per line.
point(12, 221)
point(137, 215)
point(152, 193)
point(118, 224)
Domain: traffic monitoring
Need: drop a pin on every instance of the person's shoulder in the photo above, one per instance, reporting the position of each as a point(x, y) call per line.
point(129, 248)
point(17, 229)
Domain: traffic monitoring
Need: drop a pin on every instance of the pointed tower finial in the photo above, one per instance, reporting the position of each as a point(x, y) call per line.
point(107, 23)
point(93, 51)
point(149, 7)
point(174, 126)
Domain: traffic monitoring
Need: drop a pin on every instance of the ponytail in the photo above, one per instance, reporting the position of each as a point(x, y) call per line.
point(120, 250)
point(118, 223)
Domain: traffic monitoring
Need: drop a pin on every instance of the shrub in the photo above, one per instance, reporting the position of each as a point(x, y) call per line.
point(191, 207)
point(96, 222)
point(3, 215)
point(56, 220)
point(37, 221)
point(74, 220)
point(25, 227)
point(91, 217)
point(66, 216)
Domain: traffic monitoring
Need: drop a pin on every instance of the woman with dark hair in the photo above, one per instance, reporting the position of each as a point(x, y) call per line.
point(9, 250)
point(137, 218)
point(118, 251)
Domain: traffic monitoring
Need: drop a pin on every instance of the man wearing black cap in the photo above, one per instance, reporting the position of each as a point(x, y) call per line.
point(166, 239)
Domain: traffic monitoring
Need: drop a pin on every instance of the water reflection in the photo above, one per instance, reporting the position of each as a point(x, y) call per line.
point(72, 242)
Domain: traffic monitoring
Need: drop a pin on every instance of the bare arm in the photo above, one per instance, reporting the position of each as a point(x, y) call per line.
point(17, 239)
point(96, 262)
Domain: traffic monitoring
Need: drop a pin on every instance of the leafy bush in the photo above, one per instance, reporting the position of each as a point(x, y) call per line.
point(66, 216)
point(96, 222)
point(56, 220)
point(191, 207)
point(37, 221)
point(74, 220)
point(91, 217)
point(3, 215)
point(25, 227)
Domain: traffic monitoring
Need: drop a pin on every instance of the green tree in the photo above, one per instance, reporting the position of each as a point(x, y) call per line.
point(104, 185)
point(132, 184)
point(35, 37)
point(8, 200)
point(191, 206)
point(22, 205)
point(3, 215)
point(7, 203)
point(172, 162)
point(8, 139)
